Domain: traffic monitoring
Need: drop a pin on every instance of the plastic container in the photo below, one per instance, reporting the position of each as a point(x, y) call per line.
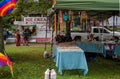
point(53, 74)
point(47, 74)
point(50, 74)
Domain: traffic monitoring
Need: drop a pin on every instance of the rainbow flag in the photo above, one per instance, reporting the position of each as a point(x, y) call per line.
point(4, 60)
point(6, 7)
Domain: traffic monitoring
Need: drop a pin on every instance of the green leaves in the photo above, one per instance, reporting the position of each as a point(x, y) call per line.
point(29, 7)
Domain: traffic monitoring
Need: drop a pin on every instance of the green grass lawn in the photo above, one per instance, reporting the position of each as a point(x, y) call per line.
point(29, 63)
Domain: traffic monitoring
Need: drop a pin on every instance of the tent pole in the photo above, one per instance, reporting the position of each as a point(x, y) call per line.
point(100, 17)
point(52, 38)
point(113, 24)
point(50, 66)
point(46, 33)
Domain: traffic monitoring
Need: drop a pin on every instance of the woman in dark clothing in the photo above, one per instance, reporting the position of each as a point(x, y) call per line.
point(26, 35)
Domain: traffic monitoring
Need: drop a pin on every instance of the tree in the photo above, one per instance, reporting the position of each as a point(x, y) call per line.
point(1, 36)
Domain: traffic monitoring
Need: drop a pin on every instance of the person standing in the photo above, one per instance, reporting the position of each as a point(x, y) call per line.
point(17, 34)
point(26, 35)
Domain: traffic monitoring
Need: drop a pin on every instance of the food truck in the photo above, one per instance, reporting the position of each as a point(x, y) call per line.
point(38, 27)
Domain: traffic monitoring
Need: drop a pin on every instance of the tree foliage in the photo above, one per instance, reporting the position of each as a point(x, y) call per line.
point(28, 7)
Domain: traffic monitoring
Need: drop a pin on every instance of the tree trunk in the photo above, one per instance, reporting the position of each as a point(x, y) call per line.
point(68, 34)
point(1, 37)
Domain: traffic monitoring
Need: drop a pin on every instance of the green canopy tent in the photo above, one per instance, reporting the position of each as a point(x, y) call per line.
point(97, 5)
point(87, 4)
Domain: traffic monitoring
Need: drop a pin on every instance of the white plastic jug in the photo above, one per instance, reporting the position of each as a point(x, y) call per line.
point(50, 74)
point(53, 74)
point(47, 74)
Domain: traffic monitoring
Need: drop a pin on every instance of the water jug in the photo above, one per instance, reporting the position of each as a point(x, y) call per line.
point(50, 74)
